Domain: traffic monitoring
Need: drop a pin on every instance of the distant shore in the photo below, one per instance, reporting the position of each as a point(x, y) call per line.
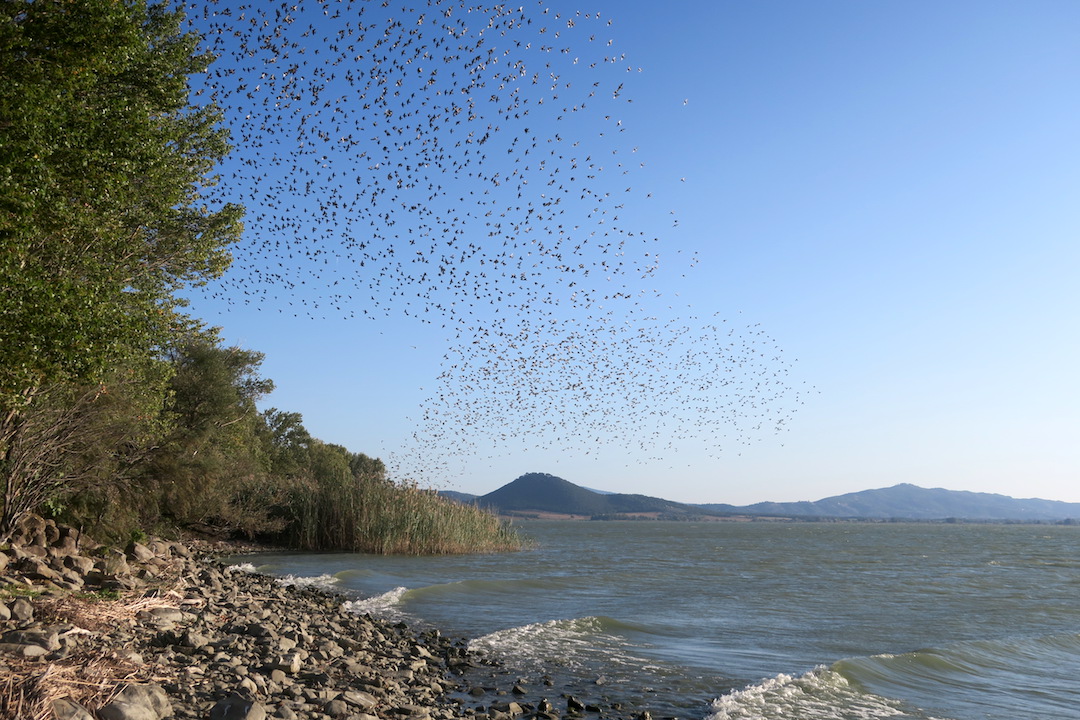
point(809, 519)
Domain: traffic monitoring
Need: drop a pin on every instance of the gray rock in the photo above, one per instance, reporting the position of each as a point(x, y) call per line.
point(5, 614)
point(23, 650)
point(36, 569)
point(65, 545)
point(363, 700)
point(115, 563)
point(52, 533)
point(37, 551)
point(42, 638)
point(212, 579)
point(193, 639)
point(168, 614)
point(514, 709)
point(64, 709)
point(28, 527)
point(79, 564)
point(412, 711)
point(263, 628)
point(138, 702)
point(289, 663)
point(336, 708)
point(71, 577)
point(160, 548)
point(178, 549)
point(131, 655)
point(138, 551)
point(22, 610)
point(94, 577)
point(123, 581)
point(235, 707)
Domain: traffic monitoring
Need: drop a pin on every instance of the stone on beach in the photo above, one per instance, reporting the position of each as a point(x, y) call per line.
point(208, 642)
point(138, 702)
point(235, 707)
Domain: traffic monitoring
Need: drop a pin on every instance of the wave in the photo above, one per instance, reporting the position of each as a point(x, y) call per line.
point(508, 586)
point(822, 693)
point(242, 567)
point(569, 643)
point(1006, 674)
point(342, 575)
point(323, 582)
point(1008, 677)
point(385, 606)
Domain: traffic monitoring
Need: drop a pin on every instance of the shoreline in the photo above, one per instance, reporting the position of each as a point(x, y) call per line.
point(165, 630)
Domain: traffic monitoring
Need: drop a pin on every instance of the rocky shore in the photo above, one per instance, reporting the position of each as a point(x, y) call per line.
point(163, 630)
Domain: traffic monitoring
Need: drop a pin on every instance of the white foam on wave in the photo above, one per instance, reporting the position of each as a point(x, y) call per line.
point(384, 606)
point(323, 582)
point(821, 694)
point(571, 643)
point(241, 567)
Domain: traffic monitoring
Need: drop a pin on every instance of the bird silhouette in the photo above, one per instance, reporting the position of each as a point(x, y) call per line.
point(437, 161)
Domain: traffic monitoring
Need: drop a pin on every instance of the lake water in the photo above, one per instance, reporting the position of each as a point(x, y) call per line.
point(755, 620)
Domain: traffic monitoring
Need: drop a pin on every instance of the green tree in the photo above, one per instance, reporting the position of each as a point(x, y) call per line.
point(213, 468)
point(287, 442)
point(104, 165)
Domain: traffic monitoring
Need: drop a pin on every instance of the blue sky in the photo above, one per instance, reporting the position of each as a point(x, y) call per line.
point(886, 192)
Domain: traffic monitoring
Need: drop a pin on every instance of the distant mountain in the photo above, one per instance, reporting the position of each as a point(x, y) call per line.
point(910, 502)
point(541, 492)
point(545, 493)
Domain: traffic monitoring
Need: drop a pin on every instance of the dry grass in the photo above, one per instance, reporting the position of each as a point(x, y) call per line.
point(88, 678)
point(92, 673)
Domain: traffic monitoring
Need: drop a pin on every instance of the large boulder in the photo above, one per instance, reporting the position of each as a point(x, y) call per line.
point(114, 563)
point(138, 702)
point(138, 552)
point(29, 530)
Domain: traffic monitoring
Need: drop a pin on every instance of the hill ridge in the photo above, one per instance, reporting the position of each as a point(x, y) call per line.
point(538, 492)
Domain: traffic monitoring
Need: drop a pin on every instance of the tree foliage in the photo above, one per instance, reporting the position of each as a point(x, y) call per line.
point(103, 165)
point(212, 468)
point(114, 404)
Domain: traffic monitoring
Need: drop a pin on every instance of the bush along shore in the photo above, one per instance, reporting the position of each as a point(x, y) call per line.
point(164, 630)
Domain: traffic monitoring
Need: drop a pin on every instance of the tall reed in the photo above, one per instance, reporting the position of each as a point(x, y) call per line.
point(370, 514)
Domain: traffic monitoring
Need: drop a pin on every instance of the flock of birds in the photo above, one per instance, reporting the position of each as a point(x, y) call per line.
point(464, 165)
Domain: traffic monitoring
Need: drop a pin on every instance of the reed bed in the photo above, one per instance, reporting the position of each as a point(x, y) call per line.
point(371, 514)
